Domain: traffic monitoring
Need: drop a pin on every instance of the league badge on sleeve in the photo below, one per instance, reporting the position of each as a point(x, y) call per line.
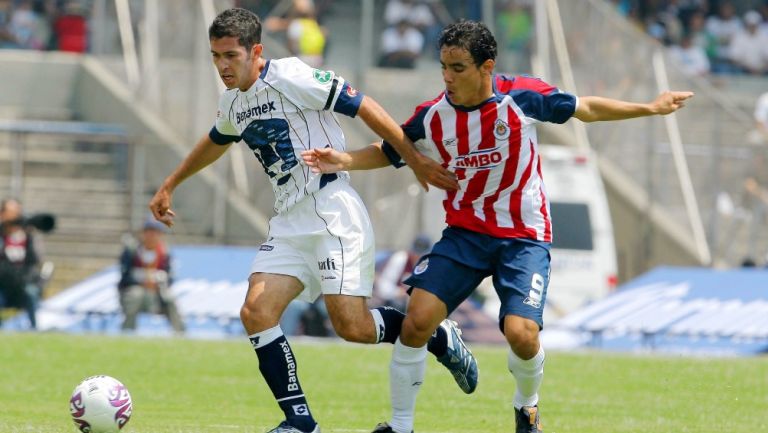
point(421, 267)
point(322, 77)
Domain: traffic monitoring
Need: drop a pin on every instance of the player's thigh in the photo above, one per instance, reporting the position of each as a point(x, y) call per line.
point(425, 312)
point(449, 280)
point(287, 258)
point(344, 251)
point(521, 278)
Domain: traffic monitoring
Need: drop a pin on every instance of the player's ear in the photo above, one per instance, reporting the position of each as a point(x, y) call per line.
point(256, 50)
point(487, 66)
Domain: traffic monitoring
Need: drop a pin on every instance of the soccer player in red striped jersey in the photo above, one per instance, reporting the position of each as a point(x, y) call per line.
point(483, 129)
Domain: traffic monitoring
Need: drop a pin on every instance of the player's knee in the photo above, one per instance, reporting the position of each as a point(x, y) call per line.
point(522, 336)
point(415, 332)
point(256, 318)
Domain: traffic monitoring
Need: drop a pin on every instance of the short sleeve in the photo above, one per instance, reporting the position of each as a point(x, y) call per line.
point(223, 131)
point(312, 89)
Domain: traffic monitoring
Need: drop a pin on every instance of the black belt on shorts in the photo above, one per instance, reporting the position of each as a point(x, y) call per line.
point(327, 178)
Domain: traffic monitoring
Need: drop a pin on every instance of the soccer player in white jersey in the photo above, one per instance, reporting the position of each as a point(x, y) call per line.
point(320, 241)
point(483, 128)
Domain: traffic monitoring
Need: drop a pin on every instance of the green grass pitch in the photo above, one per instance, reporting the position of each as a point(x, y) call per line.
point(193, 386)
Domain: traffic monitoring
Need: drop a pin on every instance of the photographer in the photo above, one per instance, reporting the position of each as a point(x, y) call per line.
point(146, 278)
point(20, 283)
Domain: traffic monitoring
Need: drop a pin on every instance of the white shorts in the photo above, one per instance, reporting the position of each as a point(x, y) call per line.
point(326, 241)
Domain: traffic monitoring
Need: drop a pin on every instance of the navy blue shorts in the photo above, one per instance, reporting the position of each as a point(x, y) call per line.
point(462, 259)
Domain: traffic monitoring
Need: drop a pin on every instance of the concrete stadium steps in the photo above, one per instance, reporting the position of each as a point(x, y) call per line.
point(85, 185)
point(69, 271)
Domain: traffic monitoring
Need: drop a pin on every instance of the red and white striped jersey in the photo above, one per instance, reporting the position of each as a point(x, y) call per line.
point(493, 150)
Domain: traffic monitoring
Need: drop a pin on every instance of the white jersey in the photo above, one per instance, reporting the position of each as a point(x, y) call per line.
point(287, 110)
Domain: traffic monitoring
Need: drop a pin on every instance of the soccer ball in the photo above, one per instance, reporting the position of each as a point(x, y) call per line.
point(100, 404)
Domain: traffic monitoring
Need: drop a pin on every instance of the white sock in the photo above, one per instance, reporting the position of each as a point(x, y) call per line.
point(261, 339)
point(528, 374)
point(406, 373)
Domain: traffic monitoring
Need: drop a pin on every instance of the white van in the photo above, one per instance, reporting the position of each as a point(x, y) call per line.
point(584, 262)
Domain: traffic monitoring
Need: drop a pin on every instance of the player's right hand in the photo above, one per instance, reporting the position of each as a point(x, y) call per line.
point(324, 160)
point(160, 205)
point(430, 172)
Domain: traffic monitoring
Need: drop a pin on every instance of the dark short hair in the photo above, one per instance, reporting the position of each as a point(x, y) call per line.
point(237, 23)
point(472, 36)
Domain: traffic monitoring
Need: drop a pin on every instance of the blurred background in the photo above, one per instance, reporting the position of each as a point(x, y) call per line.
point(100, 100)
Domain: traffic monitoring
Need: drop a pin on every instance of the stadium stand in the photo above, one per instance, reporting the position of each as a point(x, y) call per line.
point(173, 101)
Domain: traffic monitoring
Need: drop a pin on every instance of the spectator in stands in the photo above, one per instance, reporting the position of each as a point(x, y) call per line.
point(29, 29)
point(415, 12)
point(749, 46)
point(691, 58)
point(418, 13)
point(723, 27)
point(761, 118)
point(763, 9)
point(6, 38)
point(696, 27)
point(70, 28)
point(389, 288)
point(305, 38)
point(146, 277)
point(514, 22)
point(401, 46)
point(20, 284)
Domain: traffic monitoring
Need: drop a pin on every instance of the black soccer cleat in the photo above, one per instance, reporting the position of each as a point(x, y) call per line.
point(527, 420)
point(284, 427)
point(383, 427)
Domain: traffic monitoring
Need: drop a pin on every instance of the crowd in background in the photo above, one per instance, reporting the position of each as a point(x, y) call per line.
point(44, 25)
point(704, 36)
point(707, 36)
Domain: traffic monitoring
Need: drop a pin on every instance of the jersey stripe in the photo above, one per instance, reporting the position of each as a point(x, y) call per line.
point(544, 206)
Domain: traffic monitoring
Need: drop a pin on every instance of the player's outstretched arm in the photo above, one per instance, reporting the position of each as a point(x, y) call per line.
point(596, 108)
point(204, 153)
point(427, 170)
point(328, 160)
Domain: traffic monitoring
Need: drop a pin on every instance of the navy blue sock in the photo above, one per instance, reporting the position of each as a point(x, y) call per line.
point(389, 323)
point(278, 366)
point(392, 322)
point(438, 342)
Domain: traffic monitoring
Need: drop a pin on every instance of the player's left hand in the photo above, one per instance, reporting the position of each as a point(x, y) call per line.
point(669, 102)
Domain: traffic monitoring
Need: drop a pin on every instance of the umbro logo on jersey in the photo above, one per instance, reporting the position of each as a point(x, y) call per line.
point(482, 159)
point(255, 111)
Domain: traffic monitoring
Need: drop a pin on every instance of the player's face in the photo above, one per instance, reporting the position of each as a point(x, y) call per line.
point(234, 63)
point(465, 83)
